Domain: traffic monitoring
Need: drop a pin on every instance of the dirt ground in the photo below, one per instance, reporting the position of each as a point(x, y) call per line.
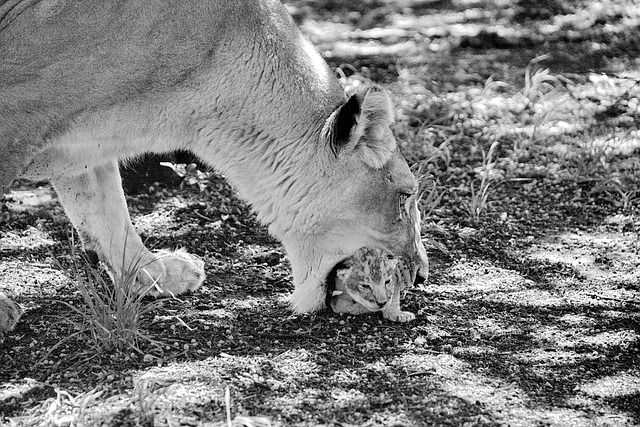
point(530, 315)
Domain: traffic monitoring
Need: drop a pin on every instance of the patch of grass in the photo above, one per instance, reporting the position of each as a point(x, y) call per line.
point(430, 193)
point(479, 200)
point(110, 318)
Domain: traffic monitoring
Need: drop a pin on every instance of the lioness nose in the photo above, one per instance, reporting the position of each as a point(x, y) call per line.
point(381, 304)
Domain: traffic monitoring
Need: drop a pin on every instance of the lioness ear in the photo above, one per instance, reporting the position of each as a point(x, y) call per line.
point(362, 125)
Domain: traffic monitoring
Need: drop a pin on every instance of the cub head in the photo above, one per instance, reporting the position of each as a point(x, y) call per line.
point(368, 277)
point(362, 195)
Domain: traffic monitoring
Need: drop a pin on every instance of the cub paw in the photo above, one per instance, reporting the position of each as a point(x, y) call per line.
point(10, 312)
point(172, 273)
point(399, 316)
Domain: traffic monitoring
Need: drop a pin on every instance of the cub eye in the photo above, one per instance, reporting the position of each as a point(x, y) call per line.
point(365, 286)
point(386, 282)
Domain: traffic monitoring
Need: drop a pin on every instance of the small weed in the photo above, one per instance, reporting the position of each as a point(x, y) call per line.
point(539, 86)
point(479, 202)
point(619, 189)
point(432, 199)
point(594, 155)
point(429, 193)
point(538, 83)
point(145, 404)
point(492, 86)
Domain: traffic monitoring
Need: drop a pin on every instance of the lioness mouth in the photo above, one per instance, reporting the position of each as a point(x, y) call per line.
point(330, 282)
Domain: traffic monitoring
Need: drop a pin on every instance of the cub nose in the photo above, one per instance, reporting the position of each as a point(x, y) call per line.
point(381, 304)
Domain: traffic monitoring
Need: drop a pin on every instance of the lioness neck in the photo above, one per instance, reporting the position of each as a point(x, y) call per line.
point(275, 109)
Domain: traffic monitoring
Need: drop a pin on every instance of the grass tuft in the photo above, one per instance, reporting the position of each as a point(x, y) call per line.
point(110, 318)
point(479, 201)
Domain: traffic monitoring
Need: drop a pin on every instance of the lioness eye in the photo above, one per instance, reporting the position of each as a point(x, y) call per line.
point(403, 209)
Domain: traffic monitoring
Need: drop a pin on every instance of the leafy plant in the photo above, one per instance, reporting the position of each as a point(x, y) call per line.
point(190, 174)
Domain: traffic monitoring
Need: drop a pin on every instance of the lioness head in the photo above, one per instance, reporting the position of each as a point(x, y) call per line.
point(365, 196)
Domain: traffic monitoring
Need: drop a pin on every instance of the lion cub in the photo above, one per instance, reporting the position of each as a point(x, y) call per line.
point(370, 281)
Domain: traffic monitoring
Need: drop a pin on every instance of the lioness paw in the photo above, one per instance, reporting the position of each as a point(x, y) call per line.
point(172, 273)
point(10, 312)
point(399, 316)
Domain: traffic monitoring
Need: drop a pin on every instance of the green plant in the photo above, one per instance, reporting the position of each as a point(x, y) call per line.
point(539, 85)
point(619, 189)
point(594, 154)
point(479, 200)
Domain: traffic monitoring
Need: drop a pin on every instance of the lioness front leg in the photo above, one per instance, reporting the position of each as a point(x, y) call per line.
point(95, 203)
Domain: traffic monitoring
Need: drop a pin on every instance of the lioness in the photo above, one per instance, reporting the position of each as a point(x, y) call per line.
point(84, 84)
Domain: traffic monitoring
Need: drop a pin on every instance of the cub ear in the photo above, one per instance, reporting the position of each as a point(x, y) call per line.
point(361, 125)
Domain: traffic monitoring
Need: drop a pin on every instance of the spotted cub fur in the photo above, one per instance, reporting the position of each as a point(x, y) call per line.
point(370, 280)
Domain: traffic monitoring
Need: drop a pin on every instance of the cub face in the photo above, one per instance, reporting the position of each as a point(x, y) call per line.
point(370, 278)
